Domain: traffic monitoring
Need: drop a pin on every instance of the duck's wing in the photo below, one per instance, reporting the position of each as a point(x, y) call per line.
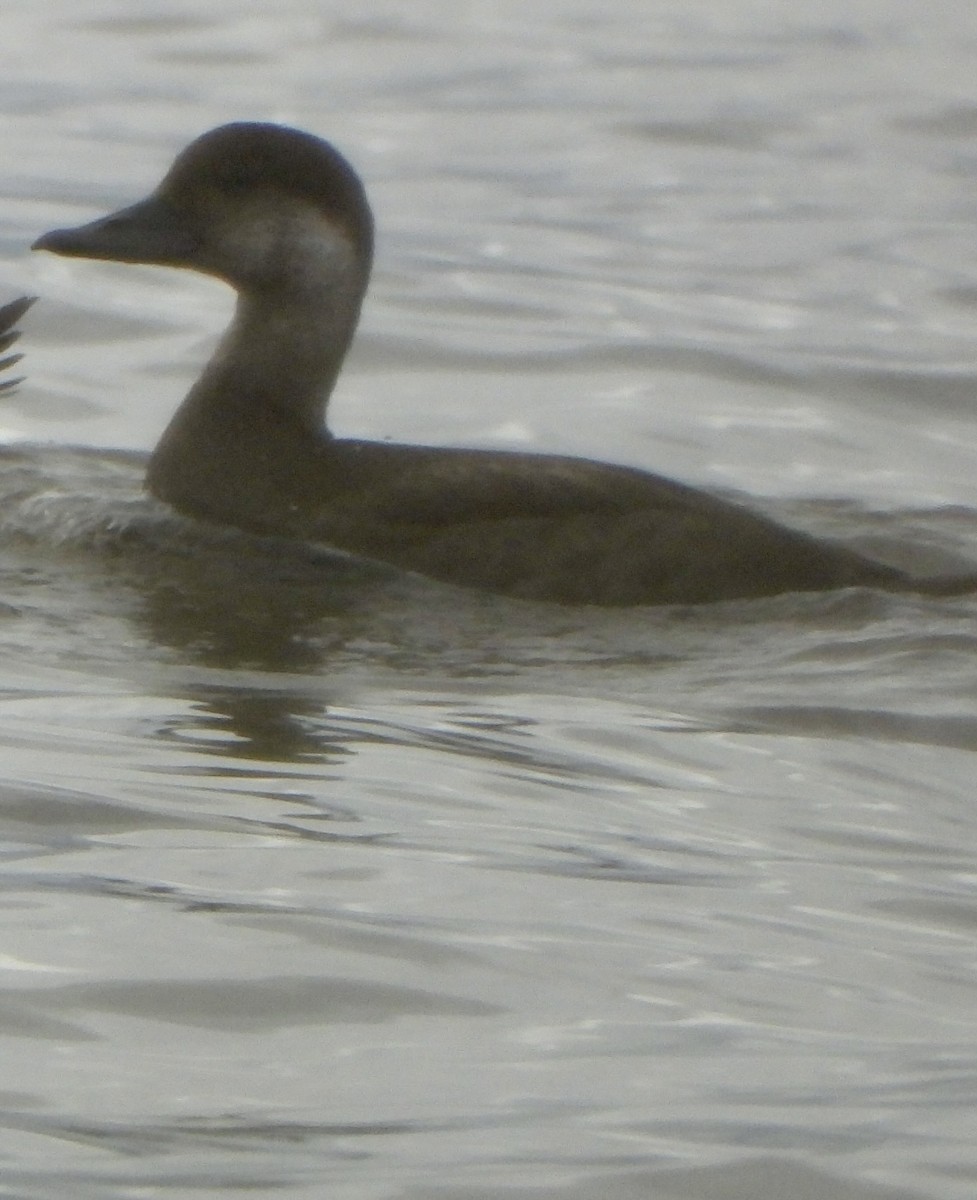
point(575, 531)
point(10, 314)
point(407, 485)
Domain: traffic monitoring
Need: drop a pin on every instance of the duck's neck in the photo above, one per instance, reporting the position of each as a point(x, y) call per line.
point(254, 421)
point(279, 358)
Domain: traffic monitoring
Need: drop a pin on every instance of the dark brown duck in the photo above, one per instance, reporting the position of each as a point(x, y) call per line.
point(283, 218)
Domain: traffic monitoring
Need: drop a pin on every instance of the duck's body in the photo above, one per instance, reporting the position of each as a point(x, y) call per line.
point(534, 526)
point(283, 218)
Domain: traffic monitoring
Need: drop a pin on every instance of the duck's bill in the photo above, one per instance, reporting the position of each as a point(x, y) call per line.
point(148, 232)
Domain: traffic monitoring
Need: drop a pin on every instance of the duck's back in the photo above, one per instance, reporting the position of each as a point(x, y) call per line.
point(565, 529)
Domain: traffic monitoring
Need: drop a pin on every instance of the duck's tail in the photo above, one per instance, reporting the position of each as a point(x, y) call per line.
point(942, 585)
point(10, 314)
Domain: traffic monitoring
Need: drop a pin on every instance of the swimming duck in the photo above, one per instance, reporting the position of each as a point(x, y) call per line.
point(283, 218)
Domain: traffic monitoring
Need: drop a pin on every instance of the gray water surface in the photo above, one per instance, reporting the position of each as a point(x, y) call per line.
point(319, 880)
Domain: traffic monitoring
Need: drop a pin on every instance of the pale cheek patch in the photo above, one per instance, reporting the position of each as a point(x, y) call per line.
point(268, 243)
point(318, 250)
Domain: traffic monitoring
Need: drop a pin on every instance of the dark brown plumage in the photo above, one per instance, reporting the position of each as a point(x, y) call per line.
point(282, 217)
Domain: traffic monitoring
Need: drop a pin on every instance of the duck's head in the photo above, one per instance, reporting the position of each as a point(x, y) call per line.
point(264, 207)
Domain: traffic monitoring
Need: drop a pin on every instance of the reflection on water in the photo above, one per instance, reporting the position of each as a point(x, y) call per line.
point(330, 866)
point(257, 732)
